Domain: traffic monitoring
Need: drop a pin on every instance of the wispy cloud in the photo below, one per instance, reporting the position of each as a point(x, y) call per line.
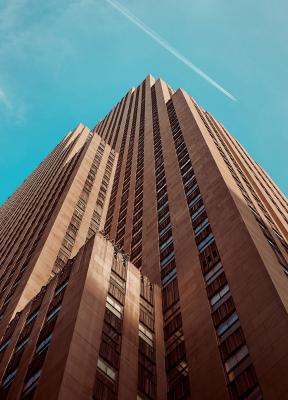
point(163, 43)
point(4, 99)
point(11, 108)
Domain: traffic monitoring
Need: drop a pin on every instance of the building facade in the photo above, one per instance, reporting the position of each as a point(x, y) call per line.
point(85, 335)
point(51, 215)
point(198, 218)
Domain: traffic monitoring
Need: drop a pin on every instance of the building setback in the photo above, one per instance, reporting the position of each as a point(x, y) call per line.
point(84, 334)
point(169, 187)
point(51, 215)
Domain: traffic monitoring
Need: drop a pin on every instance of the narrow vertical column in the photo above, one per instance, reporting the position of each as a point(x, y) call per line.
point(120, 170)
point(159, 346)
point(27, 356)
point(78, 330)
point(206, 375)
point(117, 124)
point(117, 140)
point(133, 170)
point(10, 337)
point(150, 248)
point(244, 255)
point(42, 257)
point(108, 194)
point(108, 123)
point(128, 375)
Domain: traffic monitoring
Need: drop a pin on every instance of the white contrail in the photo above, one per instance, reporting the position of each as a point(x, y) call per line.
point(136, 21)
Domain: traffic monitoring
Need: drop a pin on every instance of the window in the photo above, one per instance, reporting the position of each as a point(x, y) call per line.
point(137, 227)
point(53, 312)
point(236, 358)
point(4, 345)
point(135, 239)
point(136, 251)
point(32, 316)
point(173, 327)
point(205, 242)
point(21, 344)
point(167, 259)
point(194, 201)
point(168, 278)
point(117, 279)
point(199, 228)
point(191, 189)
point(226, 324)
point(186, 165)
point(8, 298)
point(166, 243)
point(165, 229)
point(213, 273)
point(190, 184)
point(232, 342)
point(162, 198)
point(146, 335)
point(72, 231)
point(68, 243)
point(61, 287)
point(43, 344)
point(62, 256)
point(162, 206)
point(189, 175)
point(164, 218)
point(9, 378)
point(217, 296)
point(32, 381)
point(170, 294)
point(106, 369)
point(177, 357)
point(209, 258)
point(114, 306)
point(197, 212)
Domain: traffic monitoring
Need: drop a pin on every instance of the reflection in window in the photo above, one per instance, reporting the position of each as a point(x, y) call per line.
point(226, 324)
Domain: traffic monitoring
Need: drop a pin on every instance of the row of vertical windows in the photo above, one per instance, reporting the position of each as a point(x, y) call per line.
point(108, 363)
point(38, 232)
point(176, 364)
point(281, 259)
point(245, 194)
point(111, 127)
point(119, 125)
point(146, 349)
point(136, 243)
point(44, 339)
point(257, 171)
point(21, 263)
point(126, 184)
point(37, 181)
point(261, 205)
point(103, 124)
point(26, 216)
point(223, 310)
point(114, 191)
point(97, 213)
point(71, 233)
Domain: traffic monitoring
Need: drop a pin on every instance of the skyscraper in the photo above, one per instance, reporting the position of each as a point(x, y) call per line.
point(201, 220)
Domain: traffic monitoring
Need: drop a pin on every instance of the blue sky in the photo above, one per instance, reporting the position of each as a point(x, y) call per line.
point(65, 62)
